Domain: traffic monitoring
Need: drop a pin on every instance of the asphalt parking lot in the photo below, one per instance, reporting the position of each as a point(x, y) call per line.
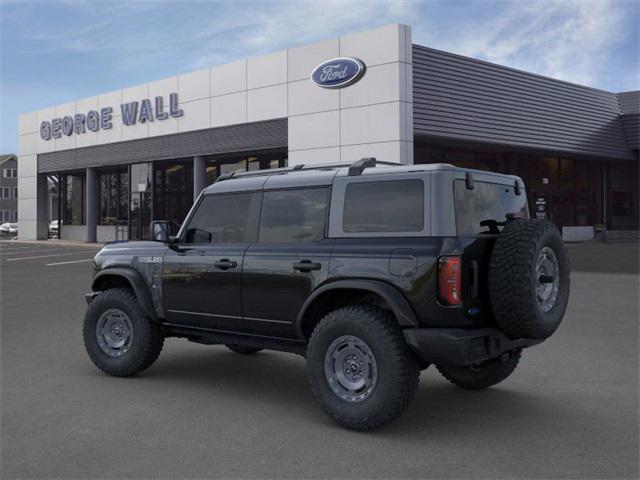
point(569, 411)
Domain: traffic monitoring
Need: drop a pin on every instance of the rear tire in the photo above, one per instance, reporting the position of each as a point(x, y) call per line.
point(360, 369)
point(242, 349)
point(119, 338)
point(488, 373)
point(529, 279)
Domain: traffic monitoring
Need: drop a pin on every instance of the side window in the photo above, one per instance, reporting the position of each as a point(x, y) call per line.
point(294, 216)
point(384, 206)
point(226, 218)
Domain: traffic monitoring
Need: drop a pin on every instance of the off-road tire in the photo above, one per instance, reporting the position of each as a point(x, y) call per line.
point(488, 373)
point(397, 369)
point(513, 279)
point(242, 349)
point(147, 340)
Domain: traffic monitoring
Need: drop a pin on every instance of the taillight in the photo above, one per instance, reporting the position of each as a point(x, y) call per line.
point(449, 273)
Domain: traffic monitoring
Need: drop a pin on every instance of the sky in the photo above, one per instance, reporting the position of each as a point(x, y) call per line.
point(55, 51)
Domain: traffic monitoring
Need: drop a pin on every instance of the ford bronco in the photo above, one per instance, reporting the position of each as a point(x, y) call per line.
point(372, 272)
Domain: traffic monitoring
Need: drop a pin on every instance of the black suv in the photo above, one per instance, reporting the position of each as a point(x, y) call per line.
point(371, 272)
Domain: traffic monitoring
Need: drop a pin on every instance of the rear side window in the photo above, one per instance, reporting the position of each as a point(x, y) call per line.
point(487, 201)
point(293, 216)
point(228, 218)
point(385, 206)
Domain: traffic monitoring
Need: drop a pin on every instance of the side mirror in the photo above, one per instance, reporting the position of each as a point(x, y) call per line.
point(163, 231)
point(160, 231)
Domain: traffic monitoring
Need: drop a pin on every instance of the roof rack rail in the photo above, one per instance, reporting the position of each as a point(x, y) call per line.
point(357, 167)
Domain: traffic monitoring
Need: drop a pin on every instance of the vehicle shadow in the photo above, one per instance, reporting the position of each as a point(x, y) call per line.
point(439, 408)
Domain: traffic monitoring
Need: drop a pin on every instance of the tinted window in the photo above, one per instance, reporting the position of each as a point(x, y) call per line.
point(487, 201)
point(225, 219)
point(293, 216)
point(389, 206)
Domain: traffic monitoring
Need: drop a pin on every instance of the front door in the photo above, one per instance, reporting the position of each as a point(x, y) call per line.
point(290, 259)
point(202, 274)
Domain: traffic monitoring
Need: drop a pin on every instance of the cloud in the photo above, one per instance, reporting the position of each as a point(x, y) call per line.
point(570, 40)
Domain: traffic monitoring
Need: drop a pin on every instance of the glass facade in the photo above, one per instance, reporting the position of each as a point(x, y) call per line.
point(140, 205)
point(113, 197)
point(567, 191)
point(223, 165)
point(172, 190)
point(73, 199)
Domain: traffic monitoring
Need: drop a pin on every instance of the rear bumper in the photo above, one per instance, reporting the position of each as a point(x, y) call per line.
point(453, 347)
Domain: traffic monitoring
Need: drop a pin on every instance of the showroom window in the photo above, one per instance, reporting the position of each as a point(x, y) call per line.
point(622, 204)
point(248, 162)
point(113, 195)
point(73, 192)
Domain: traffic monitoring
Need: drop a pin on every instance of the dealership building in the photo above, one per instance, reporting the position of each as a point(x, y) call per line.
point(109, 164)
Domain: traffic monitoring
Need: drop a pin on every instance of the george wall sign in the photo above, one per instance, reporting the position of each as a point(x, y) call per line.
point(94, 120)
point(338, 72)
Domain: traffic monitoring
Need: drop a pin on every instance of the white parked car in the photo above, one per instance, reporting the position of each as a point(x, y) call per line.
point(9, 228)
point(54, 229)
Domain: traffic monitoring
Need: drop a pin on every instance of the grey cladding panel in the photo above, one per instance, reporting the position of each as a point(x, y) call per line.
point(631, 126)
point(629, 101)
point(461, 98)
point(236, 138)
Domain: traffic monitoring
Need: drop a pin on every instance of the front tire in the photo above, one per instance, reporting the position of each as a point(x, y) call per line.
point(119, 338)
point(487, 374)
point(360, 368)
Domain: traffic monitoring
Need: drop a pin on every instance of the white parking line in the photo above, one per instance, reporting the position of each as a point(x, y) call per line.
point(19, 247)
point(34, 250)
point(52, 255)
point(67, 263)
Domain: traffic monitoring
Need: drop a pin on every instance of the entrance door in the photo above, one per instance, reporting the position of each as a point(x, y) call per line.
point(202, 273)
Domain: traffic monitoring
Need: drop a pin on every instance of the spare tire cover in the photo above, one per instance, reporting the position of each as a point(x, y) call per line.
point(529, 279)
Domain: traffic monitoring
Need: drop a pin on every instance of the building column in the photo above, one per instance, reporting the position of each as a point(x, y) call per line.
point(91, 205)
point(199, 176)
point(42, 214)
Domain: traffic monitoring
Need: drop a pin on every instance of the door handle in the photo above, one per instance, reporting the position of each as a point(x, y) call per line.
point(306, 266)
point(225, 264)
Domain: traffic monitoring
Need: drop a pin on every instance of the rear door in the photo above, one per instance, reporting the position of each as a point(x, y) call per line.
point(289, 260)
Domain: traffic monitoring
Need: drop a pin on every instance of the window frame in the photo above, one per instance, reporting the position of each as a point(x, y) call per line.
point(182, 233)
point(336, 216)
point(327, 216)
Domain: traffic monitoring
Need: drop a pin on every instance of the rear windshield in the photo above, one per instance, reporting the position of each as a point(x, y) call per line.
point(487, 201)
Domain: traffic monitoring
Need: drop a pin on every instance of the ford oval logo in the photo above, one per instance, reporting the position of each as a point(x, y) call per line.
point(338, 72)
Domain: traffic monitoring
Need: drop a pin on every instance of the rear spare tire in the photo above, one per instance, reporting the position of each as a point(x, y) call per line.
point(529, 279)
